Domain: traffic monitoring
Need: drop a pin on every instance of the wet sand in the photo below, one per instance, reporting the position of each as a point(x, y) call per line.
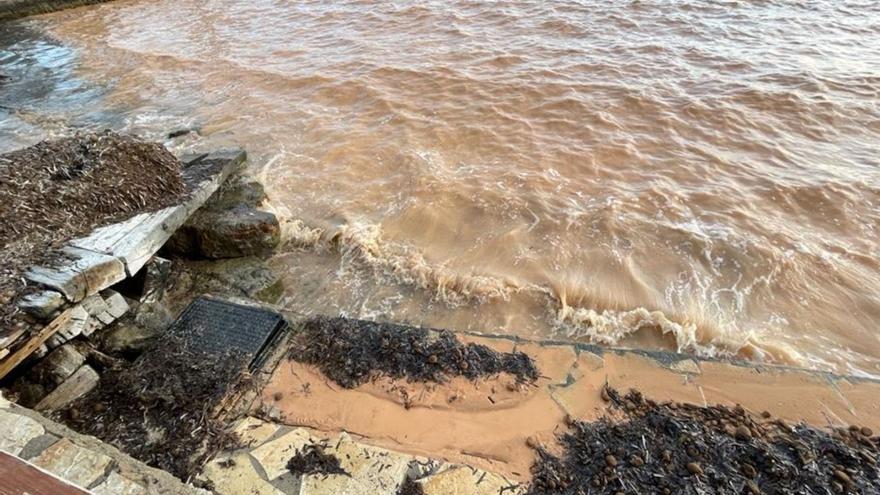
point(493, 424)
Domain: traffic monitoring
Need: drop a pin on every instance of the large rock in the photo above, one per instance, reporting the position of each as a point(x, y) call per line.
point(230, 225)
point(127, 339)
point(241, 231)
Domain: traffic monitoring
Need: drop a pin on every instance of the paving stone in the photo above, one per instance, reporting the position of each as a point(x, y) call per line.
point(16, 431)
point(273, 456)
point(42, 305)
point(463, 480)
point(79, 384)
point(36, 446)
point(373, 470)
point(237, 475)
point(252, 431)
point(116, 484)
point(73, 463)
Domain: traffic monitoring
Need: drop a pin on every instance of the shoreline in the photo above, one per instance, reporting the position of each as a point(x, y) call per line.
point(17, 9)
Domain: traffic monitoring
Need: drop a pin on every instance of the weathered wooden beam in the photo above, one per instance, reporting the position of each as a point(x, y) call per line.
point(79, 273)
point(136, 240)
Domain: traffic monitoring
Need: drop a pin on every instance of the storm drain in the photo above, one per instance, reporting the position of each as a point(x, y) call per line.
point(215, 326)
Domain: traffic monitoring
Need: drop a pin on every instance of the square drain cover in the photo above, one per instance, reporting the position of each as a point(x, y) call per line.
point(216, 326)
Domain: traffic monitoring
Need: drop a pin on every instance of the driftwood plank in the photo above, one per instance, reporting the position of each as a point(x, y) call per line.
point(36, 341)
point(137, 239)
point(79, 273)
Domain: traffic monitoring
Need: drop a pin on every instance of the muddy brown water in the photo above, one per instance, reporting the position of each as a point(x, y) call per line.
point(691, 175)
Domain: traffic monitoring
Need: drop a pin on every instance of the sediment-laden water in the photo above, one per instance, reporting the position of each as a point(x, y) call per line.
point(694, 175)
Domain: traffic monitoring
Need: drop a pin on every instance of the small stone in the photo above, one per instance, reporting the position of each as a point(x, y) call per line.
point(277, 396)
point(842, 477)
point(694, 468)
point(667, 456)
point(867, 432)
point(127, 339)
point(533, 443)
point(743, 433)
point(766, 414)
point(432, 359)
point(730, 430)
point(749, 471)
point(636, 461)
point(610, 460)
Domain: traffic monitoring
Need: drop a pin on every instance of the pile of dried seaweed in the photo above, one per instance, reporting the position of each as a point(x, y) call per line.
point(352, 352)
point(687, 449)
point(161, 408)
point(58, 190)
point(312, 459)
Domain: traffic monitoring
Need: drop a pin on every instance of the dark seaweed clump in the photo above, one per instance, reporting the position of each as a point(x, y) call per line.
point(161, 408)
point(687, 449)
point(352, 352)
point(313, 460)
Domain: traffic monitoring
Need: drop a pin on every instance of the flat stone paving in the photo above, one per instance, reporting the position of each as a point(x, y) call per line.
point(260, 467)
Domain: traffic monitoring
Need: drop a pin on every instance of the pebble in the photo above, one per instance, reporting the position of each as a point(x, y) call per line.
point(743, 433)
point(749, 471)
point(533, 442)
point(611, 460)
point(765, 414)
point(730, 430)
point(432, 359)
point(278, 396)
point(867, 431)
point(636, 461)
point(667, 456)
point(694, 468)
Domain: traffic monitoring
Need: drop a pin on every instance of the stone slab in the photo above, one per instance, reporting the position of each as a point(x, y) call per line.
point(464, 480)
point(58, 366)
point(372, 470)
point(116, 304)
point(237, 476)
point(80, 383)
point(16, 431)
point(81, 273)
point(76, 464)
point(116, 484)
point(273, 456)
point(253, 432)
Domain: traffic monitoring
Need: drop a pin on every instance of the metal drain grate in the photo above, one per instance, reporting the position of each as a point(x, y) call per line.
point(216, 326)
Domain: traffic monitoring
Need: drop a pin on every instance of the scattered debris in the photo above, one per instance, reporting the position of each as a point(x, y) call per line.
point(352, 352)
point(161, 408)
point(312, 459)
point(689, 449)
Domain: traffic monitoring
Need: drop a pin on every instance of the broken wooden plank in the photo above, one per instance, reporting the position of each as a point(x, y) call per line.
point(136, 240)
point(36, 341)
point(80, 273)
point(80, 383)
